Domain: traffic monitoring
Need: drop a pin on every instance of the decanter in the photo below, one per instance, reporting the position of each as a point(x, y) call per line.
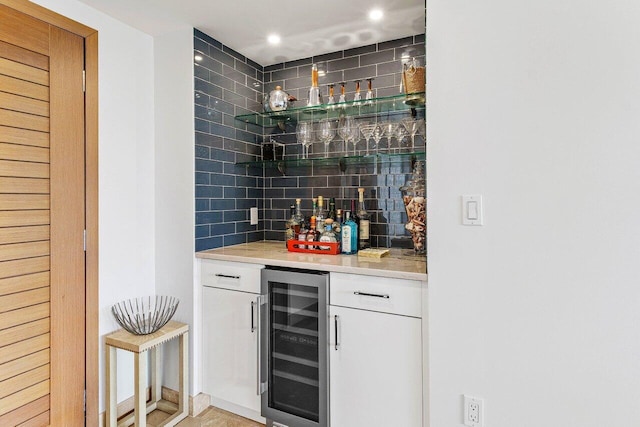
point(415, 202)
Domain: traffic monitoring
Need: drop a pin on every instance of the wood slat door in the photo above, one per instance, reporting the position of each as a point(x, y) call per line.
point(42, 218)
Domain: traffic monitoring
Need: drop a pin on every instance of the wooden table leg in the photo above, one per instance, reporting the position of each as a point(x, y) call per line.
point(111, 391)
point(156, 374)
point(140, 395)
point(183, 405)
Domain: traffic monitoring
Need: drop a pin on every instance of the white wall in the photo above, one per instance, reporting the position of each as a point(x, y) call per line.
point(174, 181)
point(126, 169)
point(536, 106)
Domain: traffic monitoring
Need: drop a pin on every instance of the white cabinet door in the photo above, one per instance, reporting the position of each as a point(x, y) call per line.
point(230, 347)
point(376, 371)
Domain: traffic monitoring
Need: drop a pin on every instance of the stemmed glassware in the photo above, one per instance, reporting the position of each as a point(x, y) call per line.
point(390, 129)
point(378, 133)
point(413, 126)
point(304, 133)
point(326, 132)
point(401, 136)
point(367, 130)
point(349, 131)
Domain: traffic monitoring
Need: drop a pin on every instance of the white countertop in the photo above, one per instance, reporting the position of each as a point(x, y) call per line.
point(396, 265)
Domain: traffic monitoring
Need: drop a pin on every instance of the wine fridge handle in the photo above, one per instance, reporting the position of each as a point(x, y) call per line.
point(336, 330)
point(259, 354)
point(253, 326)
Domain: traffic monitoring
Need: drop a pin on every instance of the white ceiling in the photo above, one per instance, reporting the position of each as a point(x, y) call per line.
point(307, 28)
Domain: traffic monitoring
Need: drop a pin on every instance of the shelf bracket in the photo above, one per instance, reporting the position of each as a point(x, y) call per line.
point(342, 163)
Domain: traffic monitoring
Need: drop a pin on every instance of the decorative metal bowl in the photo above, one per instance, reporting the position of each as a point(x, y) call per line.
point(145, 315)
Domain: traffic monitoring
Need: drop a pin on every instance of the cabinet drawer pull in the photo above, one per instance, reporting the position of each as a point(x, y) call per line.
point(253, 327)
point(336, 328)
point(226, 276)
point(365, 294)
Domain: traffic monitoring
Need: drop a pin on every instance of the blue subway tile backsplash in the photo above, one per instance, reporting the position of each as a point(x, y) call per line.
point(228, 84)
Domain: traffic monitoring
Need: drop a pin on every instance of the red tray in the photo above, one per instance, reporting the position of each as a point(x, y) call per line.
point(293, 246)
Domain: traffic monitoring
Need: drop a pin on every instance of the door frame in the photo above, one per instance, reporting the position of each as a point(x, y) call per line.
point(91, 192)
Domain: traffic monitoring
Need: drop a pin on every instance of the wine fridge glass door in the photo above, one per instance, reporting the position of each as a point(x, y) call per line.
point(294, 352)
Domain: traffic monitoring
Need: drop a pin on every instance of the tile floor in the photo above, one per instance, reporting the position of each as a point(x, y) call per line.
point(210, 417)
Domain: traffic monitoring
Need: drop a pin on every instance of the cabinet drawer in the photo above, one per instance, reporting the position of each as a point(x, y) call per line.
point(395, 296)
point(231, 275)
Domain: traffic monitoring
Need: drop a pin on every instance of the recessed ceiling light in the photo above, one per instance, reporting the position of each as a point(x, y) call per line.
point(198, 58)
point(273, 39)
point(375, 14)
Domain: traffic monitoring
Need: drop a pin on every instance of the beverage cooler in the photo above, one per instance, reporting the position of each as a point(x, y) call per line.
point(293, 347)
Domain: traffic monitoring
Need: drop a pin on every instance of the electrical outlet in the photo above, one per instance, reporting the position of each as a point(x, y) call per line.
point(473, 411)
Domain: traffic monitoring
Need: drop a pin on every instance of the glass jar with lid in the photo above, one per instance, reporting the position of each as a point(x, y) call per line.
point(415, 202)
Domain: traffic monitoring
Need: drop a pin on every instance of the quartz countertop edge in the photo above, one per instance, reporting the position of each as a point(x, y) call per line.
point(396, 265)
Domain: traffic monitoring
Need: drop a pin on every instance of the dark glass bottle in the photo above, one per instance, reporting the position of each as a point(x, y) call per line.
point(364, 240)
point(354, 213)
point(332, 209)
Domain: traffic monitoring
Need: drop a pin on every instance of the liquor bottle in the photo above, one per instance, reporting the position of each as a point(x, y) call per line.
point(298, 215)
point(312, 234)
point(364, 240)
point(354, 215)
point(337, 225)
point(292, 226)
point(320, 215)
point(314, 211)
point(328, 235)
point(332, 209)
point(349, 239)
point(314, 90)
point(302, 235)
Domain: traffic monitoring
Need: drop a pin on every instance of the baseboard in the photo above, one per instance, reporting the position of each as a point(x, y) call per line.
point(236, 409)
point(197, 404)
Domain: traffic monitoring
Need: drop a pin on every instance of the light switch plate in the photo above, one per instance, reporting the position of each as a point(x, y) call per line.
point(472, 209)
point(254, 216)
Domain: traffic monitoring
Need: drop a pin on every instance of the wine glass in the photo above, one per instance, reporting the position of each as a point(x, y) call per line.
point(346, 124)
point(304, 132)
point(354, 135)
point(326, 132)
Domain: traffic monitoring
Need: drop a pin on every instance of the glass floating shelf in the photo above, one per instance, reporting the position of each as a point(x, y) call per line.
point(386, 105)
point(342, 162)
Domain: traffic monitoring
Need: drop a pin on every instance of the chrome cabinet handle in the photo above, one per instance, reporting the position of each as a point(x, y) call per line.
point(257, 303)
point(336, 329)
point(365, 294)
point(253, 328)
point(226, 276)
